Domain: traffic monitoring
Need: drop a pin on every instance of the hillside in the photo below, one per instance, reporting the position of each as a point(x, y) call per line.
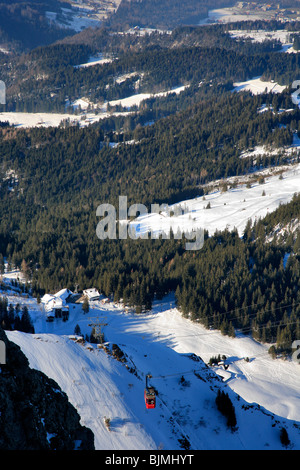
point(164, 15)
point(229, 204)
point(24, 25)
point(108, 394)
point(201, 124)
point(106, 384)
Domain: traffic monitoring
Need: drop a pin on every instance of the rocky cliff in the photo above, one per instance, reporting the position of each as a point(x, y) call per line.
point(35, 413)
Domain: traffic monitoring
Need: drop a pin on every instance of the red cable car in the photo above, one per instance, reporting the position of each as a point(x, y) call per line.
point(149, 395)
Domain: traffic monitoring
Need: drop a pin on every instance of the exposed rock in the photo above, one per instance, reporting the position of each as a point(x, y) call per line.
point(35, 413)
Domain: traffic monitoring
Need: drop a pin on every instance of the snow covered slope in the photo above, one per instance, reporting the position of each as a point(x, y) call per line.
point(230, 209)
point(108, 394)
point(258, 86)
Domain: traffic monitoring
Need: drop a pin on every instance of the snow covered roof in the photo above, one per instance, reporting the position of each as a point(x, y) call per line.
point(91, 293)
point(46, 298)
point(57, 300)
point(63, 294)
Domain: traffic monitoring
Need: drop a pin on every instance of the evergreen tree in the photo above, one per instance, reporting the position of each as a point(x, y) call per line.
point(225, 406)
point(26, 324)
point(77, 330)
point(86, 305)
point(284, 438)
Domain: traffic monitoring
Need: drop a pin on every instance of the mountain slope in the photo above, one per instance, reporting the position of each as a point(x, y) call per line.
point(163, 14)
point(167, 346)
point(232, 203)
point(24, 24)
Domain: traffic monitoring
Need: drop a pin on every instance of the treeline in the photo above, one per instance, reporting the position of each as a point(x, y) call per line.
point(57, 56)
point(270, 25)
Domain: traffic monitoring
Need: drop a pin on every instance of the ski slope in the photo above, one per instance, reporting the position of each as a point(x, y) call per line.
point(169, 347)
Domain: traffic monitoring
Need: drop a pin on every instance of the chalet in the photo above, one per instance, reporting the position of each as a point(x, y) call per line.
point(55, 305)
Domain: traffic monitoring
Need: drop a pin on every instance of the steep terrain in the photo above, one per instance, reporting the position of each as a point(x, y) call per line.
point(35, 413)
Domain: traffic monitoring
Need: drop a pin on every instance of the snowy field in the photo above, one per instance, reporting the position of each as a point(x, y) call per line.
point(136, 100)
point(228, 209)
point(260, 36)
point(21, 120)
point(85, 117)
point(95, 60)
point(257, 86)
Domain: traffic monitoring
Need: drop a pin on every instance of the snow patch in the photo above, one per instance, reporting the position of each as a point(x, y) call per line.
point(257, 86)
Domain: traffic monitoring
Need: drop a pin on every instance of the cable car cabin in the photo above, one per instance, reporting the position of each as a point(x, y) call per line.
point(149, 395)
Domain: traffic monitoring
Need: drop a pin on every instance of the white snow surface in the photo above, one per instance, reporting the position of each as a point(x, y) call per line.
point(168, 346)
point(135, 100)
point(95, 60)
point(27, 120)
point(229, 209)
point(258, 86)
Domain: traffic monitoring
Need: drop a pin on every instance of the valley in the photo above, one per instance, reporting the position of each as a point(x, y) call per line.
point(193, 111)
